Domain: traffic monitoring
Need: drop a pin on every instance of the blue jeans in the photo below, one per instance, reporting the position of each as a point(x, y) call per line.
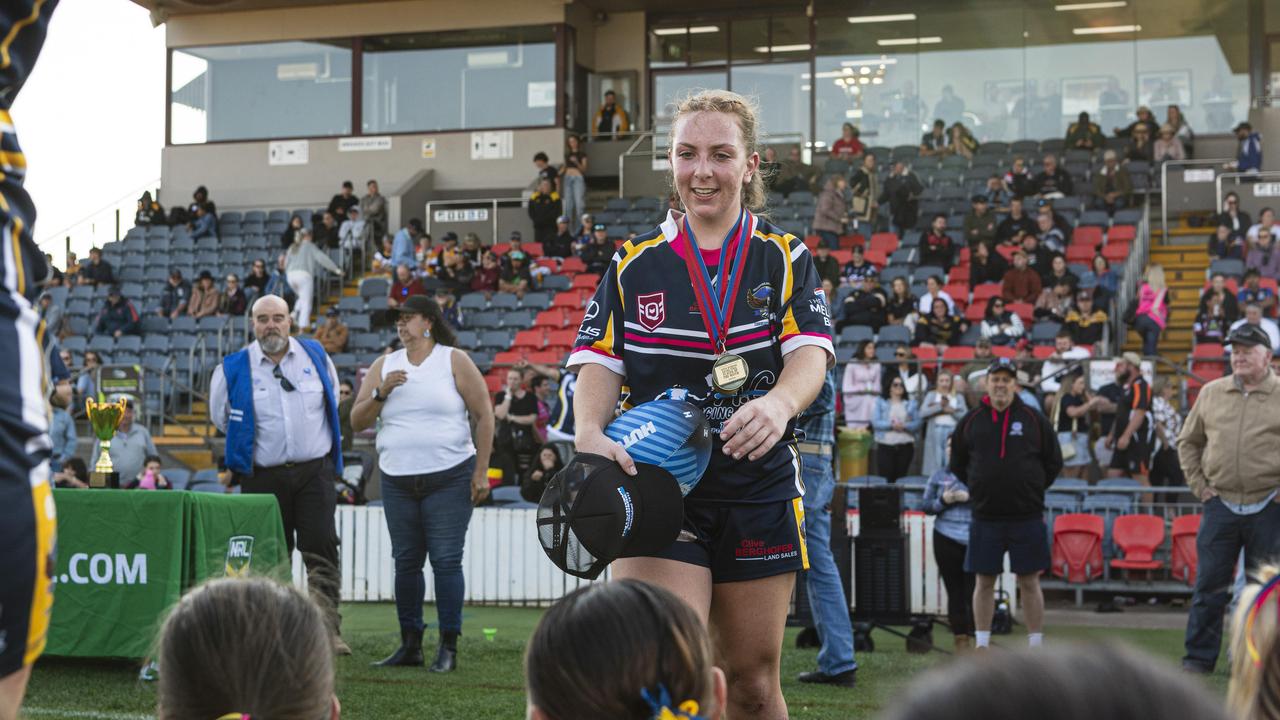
point(574, 197)
point(1150, 331)
point(427, 515)
point(826, 593)
point(1222, 536)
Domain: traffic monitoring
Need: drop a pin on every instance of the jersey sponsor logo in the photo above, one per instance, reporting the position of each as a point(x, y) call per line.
point(759, 550)
point(759, 297)
point(593, 309)
point(1015, 429)
point(653, 310)
point(638, 434)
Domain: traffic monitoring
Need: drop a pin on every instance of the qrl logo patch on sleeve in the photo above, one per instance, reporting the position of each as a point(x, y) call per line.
point(652, 309)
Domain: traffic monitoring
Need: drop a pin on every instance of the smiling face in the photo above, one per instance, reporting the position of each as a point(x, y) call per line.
point(411, 326)
point(710, 163)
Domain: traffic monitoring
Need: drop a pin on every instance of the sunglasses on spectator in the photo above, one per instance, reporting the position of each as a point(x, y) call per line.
point(284, 381)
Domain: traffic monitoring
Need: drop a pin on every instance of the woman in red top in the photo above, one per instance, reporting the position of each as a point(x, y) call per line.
point(848, 147)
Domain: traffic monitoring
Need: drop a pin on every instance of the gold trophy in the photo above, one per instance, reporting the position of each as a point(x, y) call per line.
point(104, 418)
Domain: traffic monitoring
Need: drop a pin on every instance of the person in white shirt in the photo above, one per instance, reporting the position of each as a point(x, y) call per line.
point(933, 289)
point(1064, 353)
point(1268, 218)
point(1253, 316)
point(351, 234)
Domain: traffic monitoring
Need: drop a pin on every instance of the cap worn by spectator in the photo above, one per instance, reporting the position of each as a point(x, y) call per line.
point(1242, 126)
point(517, 255)
point(332, 311)
point(1002, 365)
point(978, 199)
point(598, 227)
point(113, 291)
point(450, 236)
point(414, 304)
point(515, 235)
point(563, 219)
point(205, 275)
point(416, 224)
point(1084, 295)
point(1134, 358)
point(1248, 335)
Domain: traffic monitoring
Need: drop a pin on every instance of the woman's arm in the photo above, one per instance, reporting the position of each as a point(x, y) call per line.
point(595, 396)
point(932, 502)
point(880, 418)
point(913, 417)
point(475, 394)
point(758, 425)
point(960, 406)
point(932, 406)
point(365, 410)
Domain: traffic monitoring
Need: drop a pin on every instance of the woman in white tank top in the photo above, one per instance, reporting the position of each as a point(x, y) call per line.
point(433, 451)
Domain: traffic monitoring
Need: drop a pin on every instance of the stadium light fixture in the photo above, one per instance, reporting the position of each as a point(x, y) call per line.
point(695, 30)
point(933, 40)
point(881, 62)
point(1106, 29)
point(1090, 6)
point(798, 47)
point(901, 17)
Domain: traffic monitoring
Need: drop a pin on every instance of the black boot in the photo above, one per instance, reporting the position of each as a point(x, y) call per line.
point(409, 652)
point(447, 654)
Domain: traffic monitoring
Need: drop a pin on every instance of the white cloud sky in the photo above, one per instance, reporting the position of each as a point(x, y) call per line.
point(91, 117)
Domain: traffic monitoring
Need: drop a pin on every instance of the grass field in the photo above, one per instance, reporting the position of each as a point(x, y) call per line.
point(488, 684)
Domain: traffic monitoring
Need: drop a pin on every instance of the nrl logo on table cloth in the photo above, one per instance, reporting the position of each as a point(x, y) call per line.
point(239, 555)
point(652, 309)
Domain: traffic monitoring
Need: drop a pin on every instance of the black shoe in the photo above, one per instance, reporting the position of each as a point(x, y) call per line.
point(1195, 668)
point(848, 678)
point(446, 660)
point(408, 654)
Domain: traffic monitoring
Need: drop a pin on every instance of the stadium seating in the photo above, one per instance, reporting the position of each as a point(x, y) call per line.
point(1077, 547)
point(1137, 536)
point(1183, 559)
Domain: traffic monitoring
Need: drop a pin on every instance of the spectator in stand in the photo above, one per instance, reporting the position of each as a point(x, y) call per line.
point(1165, 468)
point(1252, 293)
point(827, 266)
point(117, 317)
point(534, 481)
point(403, 246)
point(351, 234)
point(205, 224)
point(1145, 120)
point(865, 305)
point(583, 235)
point(201, 198)
point(973, 374)
point(999, 326)
point(1224, 245)
point(902, 304)
point(902, 191)
point(986, 266)
point(1053, 181)
point(326, 233)
point(257, 278)
point(865, 187)
point(86, 381)
point(980, 223)
point(62, 429)
point(908, 371)
point(1266, 219)
point(997, 194)
point(130, 446)
point(831, 212)
point(450, 264)
point(51, 314)
point(861, 386)
point(1219, 296)
point(544, 209)
point(373, 208)
point(1263, 256)
point(1153, 309)
point(794, 173)
point(1107, 279)
point(1087, 322)
point(333, 333)
point(471, 249)
point(1039, 257)
point(1141, 147)
point(611, 119)
point(97, 272)
point(1232, 417)
point(936, 248)
point(1253, 316)
point(1168, 146)
point(895, 422)
point(1058, 271)
point(290, 234)
point(1233, 217)
point(560, 246)
point(486, 277)
point(1084, 134)
point(515, 276)
point(942, 408)
point(573, 176)
point(1112, 187)
point(1018, 178)
point(960, 141)
point(857, 268)
point(1055, 301)
point(1070, 418)
point(302, 262)
point(939, 328)
point(1017, 224)
point(149, 477)
point(546, 171)
point(1181, 130)
point(234, 301)
point(1007, 474)
point(149, 211)
point(1065, 353)
point(599, 252)
point(342, 202)
point(205, 297)
point(1020, 283)
point(948, 499)
point(449, 309)
point(405, 286)
point(1249, 156)
point(934, 291)
point(848, 148)
point(934, 142)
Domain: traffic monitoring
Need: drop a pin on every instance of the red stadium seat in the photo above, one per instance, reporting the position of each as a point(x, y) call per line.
point(569, 300)
point(1137, 536)
point(532, 249)
point(553, 318)
point(1006, 251)
point(975, 312)
point(960, 275)
point(848, 241)
point(1026, 311)
point(509, 357)
point(956, 356)
point(1122, 232)
point(983, 292)
point(885, 242)
point(1077, 547)
point(495, 383)
point(877, 258)
point(1089, 236)
point(925, 354)
point(965, 253)
point(572, 265)
point(587, 281)
point(1232, 285)
point(1116, 252)
point(500, 249)
point(1042, 352)
point(958, 291)
point(1183, 559)
point(561, 338)
point(844, 257)
point(551, 264)
point(811, 242)
point(1080, 254)
point(1003, 351)
point(546, 357)
point(533, 339)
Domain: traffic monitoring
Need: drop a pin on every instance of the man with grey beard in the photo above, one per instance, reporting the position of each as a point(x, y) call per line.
point(276, 400)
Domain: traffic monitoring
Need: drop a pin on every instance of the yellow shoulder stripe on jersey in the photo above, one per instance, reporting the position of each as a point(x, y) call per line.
point(16, 237)
point(629, 253)
point(789, 324)
point(17, 28)
point(606, 344)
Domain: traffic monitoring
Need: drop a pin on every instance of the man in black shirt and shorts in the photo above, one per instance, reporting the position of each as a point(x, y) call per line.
point(1129, 440)
point(1007, 453)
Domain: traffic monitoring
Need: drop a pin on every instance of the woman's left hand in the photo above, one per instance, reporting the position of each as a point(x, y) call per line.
point(755, 428)
point(479, 485)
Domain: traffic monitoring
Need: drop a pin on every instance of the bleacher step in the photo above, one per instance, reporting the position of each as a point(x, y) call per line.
point(193, 459)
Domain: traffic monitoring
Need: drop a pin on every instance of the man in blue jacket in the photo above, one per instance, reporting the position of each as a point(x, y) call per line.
point(1249, 156)
point(276, 400)
point(1006, 453)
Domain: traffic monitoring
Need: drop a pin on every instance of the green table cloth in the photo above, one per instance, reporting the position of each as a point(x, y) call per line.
point(125, 557)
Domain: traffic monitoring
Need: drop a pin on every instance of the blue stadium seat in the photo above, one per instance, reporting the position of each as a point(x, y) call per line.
point(178, 478)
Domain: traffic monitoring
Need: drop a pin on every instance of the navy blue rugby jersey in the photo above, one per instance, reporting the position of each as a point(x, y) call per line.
point(644, 324)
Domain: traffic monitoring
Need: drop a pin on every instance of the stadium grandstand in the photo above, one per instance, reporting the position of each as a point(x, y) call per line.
point(273, 104)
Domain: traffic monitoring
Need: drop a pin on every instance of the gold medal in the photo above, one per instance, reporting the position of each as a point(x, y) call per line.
point(729, 373)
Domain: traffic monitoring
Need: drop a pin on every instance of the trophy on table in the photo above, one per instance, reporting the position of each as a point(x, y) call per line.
point(104, 418)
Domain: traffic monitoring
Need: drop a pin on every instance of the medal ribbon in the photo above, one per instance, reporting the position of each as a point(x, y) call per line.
point(716, 299)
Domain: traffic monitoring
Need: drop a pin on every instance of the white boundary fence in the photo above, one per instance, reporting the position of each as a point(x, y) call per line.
point(505, 565)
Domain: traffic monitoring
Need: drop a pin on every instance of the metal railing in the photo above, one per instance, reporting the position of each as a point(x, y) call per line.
point(493, 204)
point(1217, 182)
point(1134, 264)
point(1164, 184)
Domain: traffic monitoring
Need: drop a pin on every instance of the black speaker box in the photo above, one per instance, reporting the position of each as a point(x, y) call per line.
point(882, 591)
point(880, 509)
